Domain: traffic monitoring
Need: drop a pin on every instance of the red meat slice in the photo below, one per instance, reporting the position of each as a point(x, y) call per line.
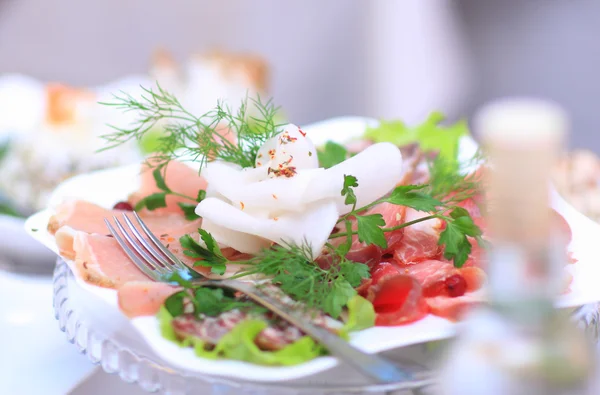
point(398, 300)
point(393, 215)
point(453, 309)
point(420, 241)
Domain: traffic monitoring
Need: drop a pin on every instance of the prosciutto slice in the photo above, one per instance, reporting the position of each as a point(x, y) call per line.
point(101, 261)
point(89, 218)
point(143, 298)
point(420, 241)
point(179, 177)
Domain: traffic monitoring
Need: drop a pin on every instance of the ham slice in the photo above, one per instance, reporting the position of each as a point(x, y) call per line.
point(453, 309)
point(143, 298)
point(101, 261)
point(179, 177)
point(89, 218)
point(420, 241)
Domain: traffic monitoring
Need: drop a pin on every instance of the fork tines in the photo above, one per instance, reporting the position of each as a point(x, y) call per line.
point(144, 248)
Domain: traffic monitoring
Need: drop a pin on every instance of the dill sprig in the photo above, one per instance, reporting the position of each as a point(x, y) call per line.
point(187, 136)
point(292, 268)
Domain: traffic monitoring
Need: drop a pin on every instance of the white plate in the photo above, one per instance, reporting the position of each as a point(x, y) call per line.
point(122, 181)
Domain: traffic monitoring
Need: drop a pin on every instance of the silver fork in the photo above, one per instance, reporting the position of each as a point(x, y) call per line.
point(157, 262)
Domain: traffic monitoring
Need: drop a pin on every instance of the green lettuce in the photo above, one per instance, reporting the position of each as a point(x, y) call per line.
point(361, 314)
point(430, 135)
point(239, 343)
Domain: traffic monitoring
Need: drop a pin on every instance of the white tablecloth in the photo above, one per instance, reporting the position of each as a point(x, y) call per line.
point(35, 357)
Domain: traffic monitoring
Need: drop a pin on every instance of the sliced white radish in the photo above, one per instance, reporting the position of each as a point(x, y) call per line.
point(289, 148)
point(287, 198)
point(378, 169)
point(242, 189)
point(239, 241)
point(311, 227)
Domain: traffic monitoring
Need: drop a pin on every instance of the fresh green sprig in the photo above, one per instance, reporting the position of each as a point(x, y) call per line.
point(370, 228)
point(209, 255)
point(205, 301)
point(158, 199)
point(293, 270)
point(201, 138)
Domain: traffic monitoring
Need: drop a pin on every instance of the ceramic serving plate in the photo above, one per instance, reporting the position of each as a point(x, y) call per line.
point(107, 187)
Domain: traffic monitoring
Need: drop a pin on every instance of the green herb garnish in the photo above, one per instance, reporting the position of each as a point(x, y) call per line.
point(332, 154)
point(430, 135)
point(158, 199)
point(202, 137)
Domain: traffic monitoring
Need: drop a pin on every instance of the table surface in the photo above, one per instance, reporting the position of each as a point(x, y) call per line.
point(31, 344)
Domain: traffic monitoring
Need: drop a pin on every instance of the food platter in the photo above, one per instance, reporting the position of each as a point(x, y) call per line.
point(112, 345)
point(122, 180)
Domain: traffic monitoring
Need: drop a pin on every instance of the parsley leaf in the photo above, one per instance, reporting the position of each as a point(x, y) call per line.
point(175, 304)
point(152, 202)
point(159, 180)
point(189, 210)
point(211, 302)
point(410, 196)
point(211, 256)
point(454, 238)
point(369, 229)
point(353, 272)
point(332, 154)
point(349, 183)
point(341, 293)
point(201, 195)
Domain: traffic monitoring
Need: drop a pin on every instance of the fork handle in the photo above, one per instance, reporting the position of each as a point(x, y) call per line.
point(372, 365)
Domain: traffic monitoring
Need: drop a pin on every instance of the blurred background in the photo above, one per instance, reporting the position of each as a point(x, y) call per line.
point(318, 59)
point(339, 57)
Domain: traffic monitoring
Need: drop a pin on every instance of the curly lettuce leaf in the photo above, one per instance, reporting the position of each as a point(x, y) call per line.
point(361, 315)
point(239, 344)
point(430, 135)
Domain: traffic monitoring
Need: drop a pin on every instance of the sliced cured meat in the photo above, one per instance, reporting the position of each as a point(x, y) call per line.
point(379, 271)
point(439, 278)
point(168, 228)
point(453, 308)
point(393, 215)
point(474, 277)
point(210, 329)
point(179, 178)
point(101, 261)
point(143, 298)
point(420, 241)
point(88, 217)
point(477, 257)
point(397, 300)
point(563, 226)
